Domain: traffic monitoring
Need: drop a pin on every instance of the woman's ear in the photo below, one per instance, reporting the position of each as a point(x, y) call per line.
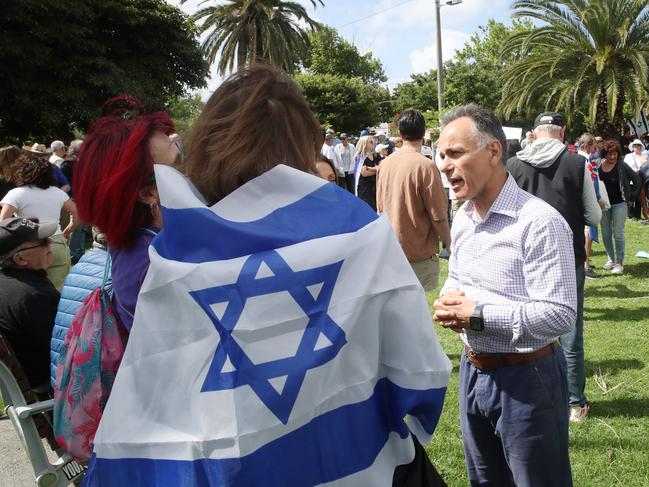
point(148, 195)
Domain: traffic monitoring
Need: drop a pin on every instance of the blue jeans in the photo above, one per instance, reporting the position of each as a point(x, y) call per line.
point(515, 423)
point(77, 243)
point(613, 228)
point(573, 348)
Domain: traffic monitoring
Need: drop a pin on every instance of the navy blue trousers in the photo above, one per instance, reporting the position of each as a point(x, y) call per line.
point(515, 423)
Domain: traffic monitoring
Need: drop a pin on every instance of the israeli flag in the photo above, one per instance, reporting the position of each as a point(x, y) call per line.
point(280, 339)
point(639, 126)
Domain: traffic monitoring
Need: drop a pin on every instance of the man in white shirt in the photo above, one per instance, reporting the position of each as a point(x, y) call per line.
point(511, 292)
point(58, 152)
point(345, 158)
point(328, 148)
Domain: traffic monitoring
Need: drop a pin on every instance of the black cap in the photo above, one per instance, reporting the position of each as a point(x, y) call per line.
point(550, 118)
point(14, 231)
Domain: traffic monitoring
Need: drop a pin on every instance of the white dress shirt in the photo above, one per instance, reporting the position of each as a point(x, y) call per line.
point(519, 263)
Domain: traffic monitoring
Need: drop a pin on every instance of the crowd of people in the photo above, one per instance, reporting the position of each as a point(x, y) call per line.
point(518, 233)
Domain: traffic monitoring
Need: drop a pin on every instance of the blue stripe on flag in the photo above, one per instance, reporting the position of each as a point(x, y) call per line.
point(327, 211)
point(336, 444)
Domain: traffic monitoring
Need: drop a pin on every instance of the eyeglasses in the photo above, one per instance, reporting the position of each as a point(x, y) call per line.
point(43, 242)
point(180, 159)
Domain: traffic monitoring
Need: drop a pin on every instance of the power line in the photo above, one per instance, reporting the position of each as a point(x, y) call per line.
point(374, 14)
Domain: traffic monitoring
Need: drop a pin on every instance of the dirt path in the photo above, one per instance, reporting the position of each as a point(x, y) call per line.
point(15, 470)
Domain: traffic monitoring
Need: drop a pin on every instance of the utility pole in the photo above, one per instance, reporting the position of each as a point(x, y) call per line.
point(440, 63)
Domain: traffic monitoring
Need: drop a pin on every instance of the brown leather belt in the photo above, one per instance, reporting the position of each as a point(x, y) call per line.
point(497, 360)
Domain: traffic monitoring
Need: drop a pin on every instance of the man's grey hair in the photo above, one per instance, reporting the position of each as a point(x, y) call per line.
point(586, 140)
point(486, 125)
point(73, 150)
point(550, 129)
point(57, 145)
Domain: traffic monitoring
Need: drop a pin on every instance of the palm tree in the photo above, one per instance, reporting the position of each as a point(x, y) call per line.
point(587, 53)
point(245, 31)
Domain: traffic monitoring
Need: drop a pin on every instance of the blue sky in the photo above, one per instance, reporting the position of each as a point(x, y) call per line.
point(401, 33)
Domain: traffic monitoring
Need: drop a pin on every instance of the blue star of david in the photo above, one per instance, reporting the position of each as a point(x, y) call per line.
point(308, 355)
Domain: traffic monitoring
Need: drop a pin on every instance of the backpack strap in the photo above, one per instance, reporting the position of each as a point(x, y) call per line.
point(106, 270)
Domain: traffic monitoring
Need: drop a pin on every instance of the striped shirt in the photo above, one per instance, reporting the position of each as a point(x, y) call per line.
point(519, 263)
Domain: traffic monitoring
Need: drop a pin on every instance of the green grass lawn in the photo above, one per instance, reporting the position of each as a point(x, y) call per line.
point(610, 448)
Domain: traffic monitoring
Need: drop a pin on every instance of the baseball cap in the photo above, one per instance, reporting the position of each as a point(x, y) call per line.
point(364, 132)
point(637, 142)
point(343, 136)
point(380, 147)
point(14, 231)
point(550, 118)
point(329, 136)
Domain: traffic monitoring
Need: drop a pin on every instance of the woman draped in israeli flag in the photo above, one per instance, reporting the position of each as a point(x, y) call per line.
point(280, 336)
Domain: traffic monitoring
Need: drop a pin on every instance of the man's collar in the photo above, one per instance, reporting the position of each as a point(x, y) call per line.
point(504, 204)
point(12, 271)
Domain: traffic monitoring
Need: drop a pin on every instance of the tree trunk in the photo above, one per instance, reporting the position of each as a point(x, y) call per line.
point(242, 53)
point(603, 125)
point(618, 118)
point(259, 47)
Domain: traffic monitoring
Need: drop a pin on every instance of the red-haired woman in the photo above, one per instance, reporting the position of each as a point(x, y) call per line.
point(115, 189)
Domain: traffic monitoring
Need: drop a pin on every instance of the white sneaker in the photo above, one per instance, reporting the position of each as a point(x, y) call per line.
point(609, 265)
point(618, 269)
point(579, 413)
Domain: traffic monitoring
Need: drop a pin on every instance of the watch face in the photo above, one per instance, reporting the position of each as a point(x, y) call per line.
point(476, 324)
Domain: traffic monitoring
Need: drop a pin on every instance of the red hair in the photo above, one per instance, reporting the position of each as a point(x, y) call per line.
point(114, 163)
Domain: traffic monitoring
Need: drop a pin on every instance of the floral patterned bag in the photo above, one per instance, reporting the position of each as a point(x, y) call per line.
point(88, 362)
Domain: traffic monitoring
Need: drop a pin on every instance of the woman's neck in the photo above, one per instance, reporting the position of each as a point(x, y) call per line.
point(608, 166)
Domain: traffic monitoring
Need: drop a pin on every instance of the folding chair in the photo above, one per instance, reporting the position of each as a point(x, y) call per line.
point(31, 421)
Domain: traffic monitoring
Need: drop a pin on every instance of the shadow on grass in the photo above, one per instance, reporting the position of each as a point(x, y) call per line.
point(632, 408)
point(619, 291)
point(639, 269)
point(617, 314)
point(613, 366)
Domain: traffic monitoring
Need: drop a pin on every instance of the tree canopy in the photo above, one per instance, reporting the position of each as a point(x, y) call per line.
point(586, 52)
point(419, 93)
point(341, 84)
point(241, 32)
point(61, 60)
point(331, 54)
point(184, 111)
point(347, 104)
point(474, 74)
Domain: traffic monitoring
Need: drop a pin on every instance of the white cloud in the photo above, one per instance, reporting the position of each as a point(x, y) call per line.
point(421, 13)
point(425, 59)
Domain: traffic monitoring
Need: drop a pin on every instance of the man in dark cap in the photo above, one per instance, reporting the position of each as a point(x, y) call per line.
point(28, 300)
point(548, 170)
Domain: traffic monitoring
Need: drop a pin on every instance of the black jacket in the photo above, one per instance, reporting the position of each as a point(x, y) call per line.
point(629, 181)
point(561, 185)
point(28, 303)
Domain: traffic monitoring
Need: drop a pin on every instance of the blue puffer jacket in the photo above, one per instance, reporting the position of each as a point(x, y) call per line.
point(86, 276)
